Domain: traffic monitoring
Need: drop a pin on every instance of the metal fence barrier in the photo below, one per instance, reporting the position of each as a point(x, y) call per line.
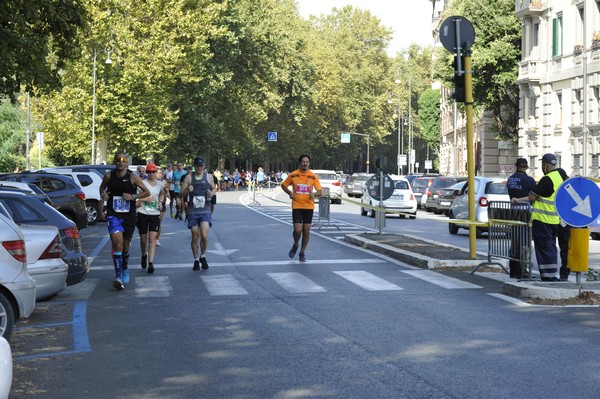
point(509, 234)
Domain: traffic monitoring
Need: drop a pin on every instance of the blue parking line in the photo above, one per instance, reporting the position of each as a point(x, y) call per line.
point(81, 342)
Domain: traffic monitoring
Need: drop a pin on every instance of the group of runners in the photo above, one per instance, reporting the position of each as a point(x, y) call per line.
point(140, 200)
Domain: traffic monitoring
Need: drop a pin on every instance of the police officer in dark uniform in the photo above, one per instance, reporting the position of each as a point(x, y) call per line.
point(519, 185)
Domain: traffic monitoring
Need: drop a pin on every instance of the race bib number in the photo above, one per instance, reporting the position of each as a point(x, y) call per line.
point(177, 184)
point(303, 189)
point(151, 205)
point(120, 204)
point(199, 201)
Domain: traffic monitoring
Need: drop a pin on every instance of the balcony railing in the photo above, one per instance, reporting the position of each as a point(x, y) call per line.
point(529, 7)
point(529, 71)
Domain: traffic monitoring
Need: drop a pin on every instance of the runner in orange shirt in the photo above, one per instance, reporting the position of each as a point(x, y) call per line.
point(303, 202)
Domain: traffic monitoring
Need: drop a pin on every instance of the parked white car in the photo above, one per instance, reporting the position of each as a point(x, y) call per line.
point(89, 180)
point(44, 262)
point(402, 199)
point(329, 179)
point(486, 189)
point(17, 299)
point(6, 368)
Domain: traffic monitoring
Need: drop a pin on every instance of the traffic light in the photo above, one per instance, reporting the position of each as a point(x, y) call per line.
point(459, 79)
point(381, 162)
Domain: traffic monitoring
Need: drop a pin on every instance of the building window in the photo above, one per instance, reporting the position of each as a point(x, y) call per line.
point(558, 110)
point(535, 34)
point(576, 162)
point(557, 36)
point(594, 161)
point(577, 108)
point(596, 102)
point(533, 166)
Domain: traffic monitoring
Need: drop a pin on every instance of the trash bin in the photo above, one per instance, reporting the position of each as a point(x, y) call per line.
point(324, 203)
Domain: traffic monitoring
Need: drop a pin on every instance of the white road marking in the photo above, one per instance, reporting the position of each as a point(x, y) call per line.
point(367, 280)
point(440, 280)
point(296, 283)
point(152, 286)
point(223, 285)
point(256, 263)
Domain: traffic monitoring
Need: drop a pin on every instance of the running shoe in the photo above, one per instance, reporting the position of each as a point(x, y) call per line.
point(145, 261)
point(302, 258)
point(196, 265)
point(118, 284)
point(157, 243)
point(125, 276)
point(150, 268)
point(292, 252)
point(204, 263)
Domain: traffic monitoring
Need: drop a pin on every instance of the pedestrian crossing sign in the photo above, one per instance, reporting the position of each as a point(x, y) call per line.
point(272, 136)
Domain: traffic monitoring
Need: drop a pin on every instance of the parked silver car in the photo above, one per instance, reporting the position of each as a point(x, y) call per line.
point(17, 298)
point(486, 189)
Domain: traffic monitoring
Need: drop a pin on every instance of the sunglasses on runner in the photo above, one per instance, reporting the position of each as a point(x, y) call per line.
point(121, 159)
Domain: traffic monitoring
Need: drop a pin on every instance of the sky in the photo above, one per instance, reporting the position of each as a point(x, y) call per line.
point(410, 20)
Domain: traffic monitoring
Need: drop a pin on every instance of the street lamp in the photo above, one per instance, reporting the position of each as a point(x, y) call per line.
point(400, 131)
point(108, 61)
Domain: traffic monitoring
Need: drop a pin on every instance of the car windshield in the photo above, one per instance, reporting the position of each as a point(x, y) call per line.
point(443, 183)
point(496, 188)
point(420, 183)
point(401, 185)
point(327, 176)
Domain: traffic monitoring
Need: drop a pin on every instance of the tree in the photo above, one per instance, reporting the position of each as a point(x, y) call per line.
point(38, 39)
point(429, 118)
point(12, 137)
point(496, 55)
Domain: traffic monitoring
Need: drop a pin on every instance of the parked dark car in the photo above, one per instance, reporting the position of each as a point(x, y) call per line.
point(66, 195)
point(419, 185)
point(26, 209)
point(447, 195)
point(30, 189)
point(99, 169)
point(355, 185)
point(434, 190)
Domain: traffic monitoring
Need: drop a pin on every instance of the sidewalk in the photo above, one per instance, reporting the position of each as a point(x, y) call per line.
point(430, 254)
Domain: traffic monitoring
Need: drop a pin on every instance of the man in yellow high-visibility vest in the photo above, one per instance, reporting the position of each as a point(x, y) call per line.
point(544, 217)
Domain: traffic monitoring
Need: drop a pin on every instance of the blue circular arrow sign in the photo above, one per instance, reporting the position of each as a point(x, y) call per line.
point(578, 201)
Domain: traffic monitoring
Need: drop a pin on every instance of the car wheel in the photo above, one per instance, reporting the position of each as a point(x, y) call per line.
point(7, 317)
point(402, 216)
point(478, 232)
point(595, 236)
point(363, 211)
point(350, 195)
point(93, 210)
point(413, 216)
point(452, 228)
point(372, 213)
point(437, 211)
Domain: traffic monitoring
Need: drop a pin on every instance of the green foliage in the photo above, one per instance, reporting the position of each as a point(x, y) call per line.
point(12, 135)
point(38, 39)
point(496, 54)
point(212, 77)
point(429, 117)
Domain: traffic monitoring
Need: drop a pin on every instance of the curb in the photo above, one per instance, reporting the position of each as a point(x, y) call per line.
point(523, 289)
point(416, 259)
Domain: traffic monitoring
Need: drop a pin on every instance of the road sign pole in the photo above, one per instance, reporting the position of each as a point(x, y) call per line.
point(470, 149)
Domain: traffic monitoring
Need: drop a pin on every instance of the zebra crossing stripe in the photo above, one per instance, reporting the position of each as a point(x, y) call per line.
point(440, 280)
point(368, 281)
point(296, 283)
point(155, 286)
point(224, 284)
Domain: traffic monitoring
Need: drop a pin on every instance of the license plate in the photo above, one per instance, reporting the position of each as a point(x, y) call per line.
point(444, 203)
point(398, 196)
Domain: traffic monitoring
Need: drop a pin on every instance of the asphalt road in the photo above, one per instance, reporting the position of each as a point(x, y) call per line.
point(346, 324)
